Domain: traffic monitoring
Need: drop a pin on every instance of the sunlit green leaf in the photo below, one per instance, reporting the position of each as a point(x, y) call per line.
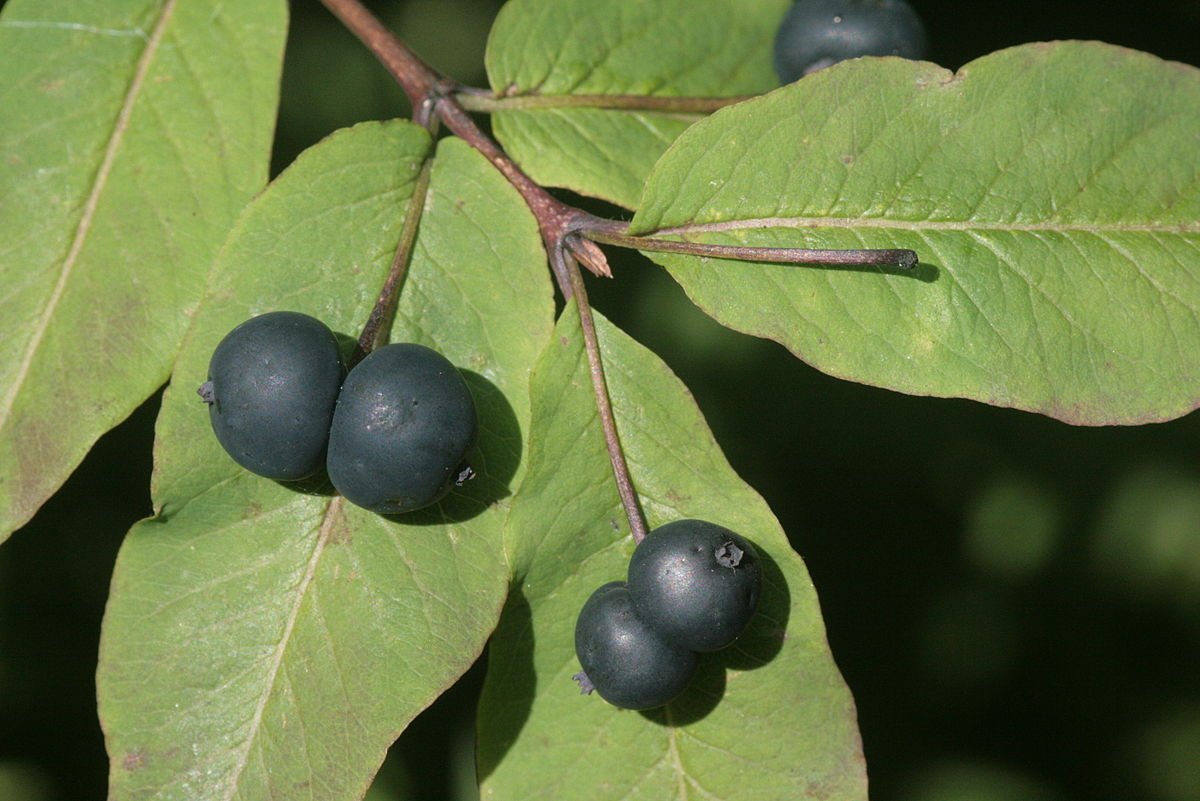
point(132, 133)
point(548, 57)
point(260, 642)
point(1052, 192)
point(767, 718)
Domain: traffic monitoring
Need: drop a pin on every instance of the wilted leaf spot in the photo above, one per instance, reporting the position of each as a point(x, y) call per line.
point(134, 760)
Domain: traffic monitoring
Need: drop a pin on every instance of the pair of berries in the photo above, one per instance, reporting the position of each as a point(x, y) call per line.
point(692, 588)
point(392, 433)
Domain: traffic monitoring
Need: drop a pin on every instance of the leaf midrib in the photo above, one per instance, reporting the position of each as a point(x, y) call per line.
point(923, 226)
point(84, 227)
point(276, 663)
point(673, 754)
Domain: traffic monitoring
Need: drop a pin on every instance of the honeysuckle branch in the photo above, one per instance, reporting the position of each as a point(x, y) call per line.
point(569, 234)
point(434, 95)
point(439, 97)
point(415, 78)
point(556, 221)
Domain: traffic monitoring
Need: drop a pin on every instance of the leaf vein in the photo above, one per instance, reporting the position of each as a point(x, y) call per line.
point(277, 659)
point(83, 229)
point(927, 226)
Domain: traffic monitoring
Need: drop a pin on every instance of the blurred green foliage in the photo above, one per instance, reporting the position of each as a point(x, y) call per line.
point(1014, 602)
point(976, 781)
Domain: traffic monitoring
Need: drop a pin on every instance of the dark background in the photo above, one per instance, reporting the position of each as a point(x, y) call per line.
point(1014, 602)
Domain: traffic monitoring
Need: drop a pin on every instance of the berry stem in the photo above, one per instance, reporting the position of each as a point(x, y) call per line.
point(608, 420)
point(379, 324)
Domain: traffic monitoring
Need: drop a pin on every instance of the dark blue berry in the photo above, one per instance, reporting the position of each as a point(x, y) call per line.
point(817, 33)
point(272, 385)
point(628, 663)
point(401, 430)
point(695, 583)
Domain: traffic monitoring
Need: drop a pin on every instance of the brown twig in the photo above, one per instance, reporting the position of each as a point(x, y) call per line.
point(568, 234)
point(434, 95)
point(414, 76)
point(431, 95)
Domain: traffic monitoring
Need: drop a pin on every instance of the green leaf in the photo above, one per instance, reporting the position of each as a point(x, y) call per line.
point(1052, 192)
point(767, 718)
point(261, 642)
point(133, 133)
point(552, 60)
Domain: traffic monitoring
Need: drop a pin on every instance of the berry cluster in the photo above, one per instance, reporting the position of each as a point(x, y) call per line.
point(392, 433)
point(692, 587)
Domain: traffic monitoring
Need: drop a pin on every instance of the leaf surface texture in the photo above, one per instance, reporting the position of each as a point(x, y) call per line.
point(262, 642)
point(1052, 192)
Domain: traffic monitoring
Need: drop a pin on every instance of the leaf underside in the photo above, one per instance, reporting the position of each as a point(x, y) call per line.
point(262, 642)
point(129, 146)
point(562, 51)
point(767, 718)
point(1052, 192)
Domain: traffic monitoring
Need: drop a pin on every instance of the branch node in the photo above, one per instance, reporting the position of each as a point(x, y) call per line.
point(589, 254)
